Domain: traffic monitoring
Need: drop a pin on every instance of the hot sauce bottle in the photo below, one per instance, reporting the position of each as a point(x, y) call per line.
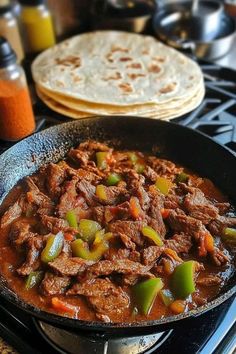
point(16, 114)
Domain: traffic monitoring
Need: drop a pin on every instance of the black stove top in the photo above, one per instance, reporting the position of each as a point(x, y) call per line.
point(213, 332)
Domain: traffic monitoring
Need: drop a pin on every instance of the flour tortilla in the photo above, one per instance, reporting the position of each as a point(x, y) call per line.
point(158, 114)
point(117, 68)
point(57, 107)
point(94, 108)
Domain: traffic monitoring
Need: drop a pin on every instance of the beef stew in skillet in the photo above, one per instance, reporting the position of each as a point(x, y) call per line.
point(116, 236)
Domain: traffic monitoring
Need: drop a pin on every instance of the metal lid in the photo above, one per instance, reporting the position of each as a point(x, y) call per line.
point(7, 54)
point(31, 2)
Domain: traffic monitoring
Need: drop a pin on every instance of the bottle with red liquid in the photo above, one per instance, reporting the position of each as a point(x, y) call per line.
point(16, 113)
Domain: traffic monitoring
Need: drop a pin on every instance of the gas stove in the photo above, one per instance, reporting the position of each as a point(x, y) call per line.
point(213, 332)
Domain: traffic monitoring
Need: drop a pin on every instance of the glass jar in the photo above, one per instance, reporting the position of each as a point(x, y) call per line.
point(37, 26)
point(9, 29)
point(16, 114)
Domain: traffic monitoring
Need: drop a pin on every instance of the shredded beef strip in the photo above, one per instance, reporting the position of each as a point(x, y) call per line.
point(112, 254)
point(89, 176)
point(55, 225)
point(38, 198)
point(217, 226)
point(164, 168)
point(180, 243)
point(87, 190)
point(139, 191)
point(106, 214)
point(151, 254)
point(173, 201)
point(94, 146)
point(13, 212)
point(55, 176)
point(20, 233)
point(34, 246)
point(222, 207)
point(69, 266)
point(150, 174)
point(103, 295)
point(197, 206)
point(180, 222)
point(93, 287)
point(126, 240)
point(123, 266)
point(155, 219)
point(69, 198)
point(130, 228)
point(54, 285)
point(220, 257)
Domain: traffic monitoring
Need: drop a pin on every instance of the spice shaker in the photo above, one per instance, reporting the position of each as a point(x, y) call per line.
point(9, 29)
point(37, 26)
point(16, 114)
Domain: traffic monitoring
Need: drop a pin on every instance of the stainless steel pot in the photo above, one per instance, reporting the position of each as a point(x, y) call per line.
point(170, 26)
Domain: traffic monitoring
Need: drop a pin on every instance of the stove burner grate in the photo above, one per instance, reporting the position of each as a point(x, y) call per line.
point(66, 342)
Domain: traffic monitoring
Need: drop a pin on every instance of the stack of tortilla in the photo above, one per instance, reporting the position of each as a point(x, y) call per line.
point(117, 73)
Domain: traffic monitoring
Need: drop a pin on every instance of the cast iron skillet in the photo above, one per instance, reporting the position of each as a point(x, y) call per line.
point(172, 141)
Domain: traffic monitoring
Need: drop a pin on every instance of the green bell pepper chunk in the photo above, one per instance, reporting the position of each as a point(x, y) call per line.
point(150, 233)
point(101, 160)
point(166, 297)
point(53, 247)
point(163, 185)
point(113, 179)
point(71, 218)
point(139, 168)
point(87, 229)
point(145, 293)
point(229, 235)
point(182, 280)
point(133, 157)
point(101, 236)
point(33, 279)
point(182, 178)
point(80, 249)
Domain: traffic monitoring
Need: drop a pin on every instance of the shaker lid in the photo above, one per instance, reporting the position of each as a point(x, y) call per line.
point(31, 2)
point(7, 54)
point(5, 8)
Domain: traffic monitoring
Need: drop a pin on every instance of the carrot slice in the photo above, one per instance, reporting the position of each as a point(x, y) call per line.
point(135, 208)
point(209, 243)
point(168, 266)
point(61, 306)
point(165, 213)
point(178, 306)
point(68, 237)
point(172, 254)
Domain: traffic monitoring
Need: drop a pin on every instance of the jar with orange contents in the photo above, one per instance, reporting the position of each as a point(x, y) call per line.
point(16, 114)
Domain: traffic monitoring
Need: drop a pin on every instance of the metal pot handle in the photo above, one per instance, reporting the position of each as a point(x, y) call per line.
point(185, 45)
